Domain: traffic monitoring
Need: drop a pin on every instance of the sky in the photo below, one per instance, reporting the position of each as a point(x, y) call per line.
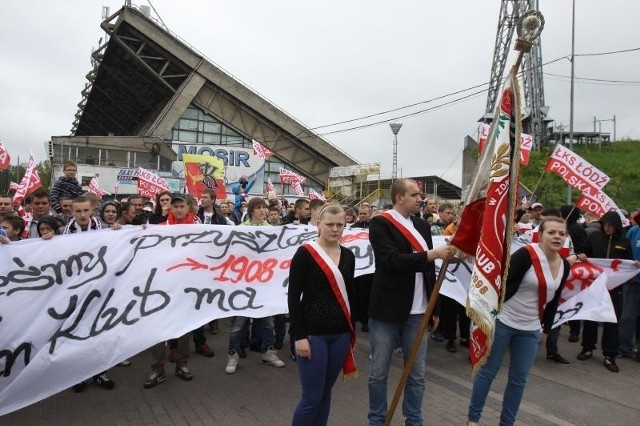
point(332, 61)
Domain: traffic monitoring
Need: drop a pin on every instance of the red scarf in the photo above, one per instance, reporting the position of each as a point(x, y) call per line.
point(171, 219)
point(349, 369)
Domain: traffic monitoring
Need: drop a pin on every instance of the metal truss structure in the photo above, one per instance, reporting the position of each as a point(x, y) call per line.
point(532, 82)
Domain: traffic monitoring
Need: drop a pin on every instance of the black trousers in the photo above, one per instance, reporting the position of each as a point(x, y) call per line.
point(453, 314)
point(610, 338)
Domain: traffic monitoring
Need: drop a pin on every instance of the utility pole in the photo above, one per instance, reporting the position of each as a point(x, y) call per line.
point(573, 63)
point(395, 128)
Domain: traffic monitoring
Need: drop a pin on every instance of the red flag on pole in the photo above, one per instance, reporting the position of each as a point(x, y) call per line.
point(260, 150)
point(94, 187)
point(29, 183)
point(487, 220)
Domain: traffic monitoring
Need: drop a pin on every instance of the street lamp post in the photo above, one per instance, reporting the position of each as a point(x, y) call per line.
point(395, 128)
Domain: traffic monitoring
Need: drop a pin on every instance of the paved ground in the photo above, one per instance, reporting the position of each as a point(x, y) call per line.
point(584, 393)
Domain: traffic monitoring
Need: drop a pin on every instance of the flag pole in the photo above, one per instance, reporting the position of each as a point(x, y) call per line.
point(424, 325)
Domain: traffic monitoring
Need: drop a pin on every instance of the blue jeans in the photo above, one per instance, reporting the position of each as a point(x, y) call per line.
point(629, 317)
point(263, 327)
point(317, 377)
point(382, 336)
point(524, 347)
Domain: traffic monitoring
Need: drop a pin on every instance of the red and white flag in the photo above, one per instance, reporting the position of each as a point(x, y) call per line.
point(5, 158)
point(526, 143)
point(294, 179)
point(487, 220)
point(260, 150)
point(313, 195)
point(94, 187)
point(598, 203)
point(29, 183)
point(271, 187)
point(150, 184)
point(287, 176)
point(575, 170)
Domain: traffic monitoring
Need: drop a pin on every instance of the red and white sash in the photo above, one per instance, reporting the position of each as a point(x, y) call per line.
point(339, 288)
point(543, 274)
point(412, 235)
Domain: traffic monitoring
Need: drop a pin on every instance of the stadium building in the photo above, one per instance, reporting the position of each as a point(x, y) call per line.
point(150, 97)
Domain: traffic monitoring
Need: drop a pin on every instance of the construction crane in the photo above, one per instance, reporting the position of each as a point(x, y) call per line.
point(535, 117)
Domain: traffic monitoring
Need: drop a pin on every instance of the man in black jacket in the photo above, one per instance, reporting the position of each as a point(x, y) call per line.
point(608, 243)
point(402, 283)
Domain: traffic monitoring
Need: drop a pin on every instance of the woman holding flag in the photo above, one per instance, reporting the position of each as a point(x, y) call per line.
point(320, 283)
point(537, 274)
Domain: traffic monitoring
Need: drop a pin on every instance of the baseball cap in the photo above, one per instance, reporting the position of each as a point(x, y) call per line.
point(177, 196)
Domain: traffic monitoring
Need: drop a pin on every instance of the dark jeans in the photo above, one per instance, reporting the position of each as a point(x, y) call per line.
point(609, 330)
point(552, 341)
point(317, 377)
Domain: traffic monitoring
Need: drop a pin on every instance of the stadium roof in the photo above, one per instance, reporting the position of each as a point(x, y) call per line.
point(144, 78)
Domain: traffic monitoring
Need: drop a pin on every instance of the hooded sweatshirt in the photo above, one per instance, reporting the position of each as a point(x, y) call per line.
point(602, 246)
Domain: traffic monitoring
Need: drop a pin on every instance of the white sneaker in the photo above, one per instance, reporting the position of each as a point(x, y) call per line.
point(270, 357)
point(232, 363)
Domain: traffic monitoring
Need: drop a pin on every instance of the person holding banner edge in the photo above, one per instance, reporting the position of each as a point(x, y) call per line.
point(537, 274)
point(321, 280)
point(403, 281)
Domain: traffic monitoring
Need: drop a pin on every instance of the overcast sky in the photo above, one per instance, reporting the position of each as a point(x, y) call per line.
point(326, 62)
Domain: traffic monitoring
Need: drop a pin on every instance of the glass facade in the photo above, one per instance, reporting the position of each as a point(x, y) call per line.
point(196, 127)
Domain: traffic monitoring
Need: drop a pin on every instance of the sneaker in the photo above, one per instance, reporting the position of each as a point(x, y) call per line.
point(80, 387)
point(584, 355)
point(451, 346)
point(232, 362)
point(204, 350)
point(464, 342)
point(125, 363)
point(437, 337)
point(154, 379)
point(270, 357)
point(173, 354)
point(213, 327)
point(184, 373)
point(104, 381)
point(574, 337)
point(558, 359)
point(398, 352)
point(610, 363)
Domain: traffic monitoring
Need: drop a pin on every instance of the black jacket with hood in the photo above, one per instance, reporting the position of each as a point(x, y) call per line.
point(602, 246)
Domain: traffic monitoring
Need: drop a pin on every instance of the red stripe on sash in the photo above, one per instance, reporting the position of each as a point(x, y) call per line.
point(349, 364)
point(542, 282)
point(415, 244)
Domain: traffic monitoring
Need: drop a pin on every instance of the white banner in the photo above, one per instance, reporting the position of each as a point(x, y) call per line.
point(87, 301)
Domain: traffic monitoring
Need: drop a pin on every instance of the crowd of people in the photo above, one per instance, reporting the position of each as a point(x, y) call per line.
point(326, 301)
